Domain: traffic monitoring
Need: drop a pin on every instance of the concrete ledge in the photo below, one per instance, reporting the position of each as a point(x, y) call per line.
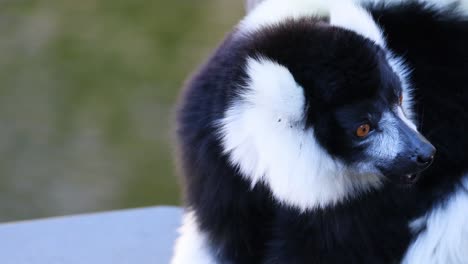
point(137, 236)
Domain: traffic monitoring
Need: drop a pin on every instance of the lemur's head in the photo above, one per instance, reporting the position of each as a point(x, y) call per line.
point(324, 112)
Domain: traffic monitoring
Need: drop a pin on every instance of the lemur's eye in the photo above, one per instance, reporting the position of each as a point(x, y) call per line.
point(400, 99)
point(363, 130)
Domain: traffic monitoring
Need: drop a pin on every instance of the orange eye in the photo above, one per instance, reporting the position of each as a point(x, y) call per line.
point(400, 100)
point(363, 130)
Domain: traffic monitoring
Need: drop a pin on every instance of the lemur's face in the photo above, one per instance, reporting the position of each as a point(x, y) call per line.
point(374, 135)
point(354, 99)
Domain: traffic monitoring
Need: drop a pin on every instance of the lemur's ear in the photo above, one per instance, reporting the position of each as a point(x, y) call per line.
point(251, 4)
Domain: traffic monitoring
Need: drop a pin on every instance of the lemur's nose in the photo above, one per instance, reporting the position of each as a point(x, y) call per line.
point(425, 155)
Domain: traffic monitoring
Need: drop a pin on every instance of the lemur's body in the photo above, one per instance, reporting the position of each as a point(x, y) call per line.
point(271, 172)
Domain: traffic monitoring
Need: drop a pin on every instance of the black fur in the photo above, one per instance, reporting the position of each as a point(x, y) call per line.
point(246, 225)
point(368, 229)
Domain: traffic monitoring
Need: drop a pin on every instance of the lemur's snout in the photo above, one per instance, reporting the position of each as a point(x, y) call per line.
point(417, 156)
point(424, 153)
point(424, 156)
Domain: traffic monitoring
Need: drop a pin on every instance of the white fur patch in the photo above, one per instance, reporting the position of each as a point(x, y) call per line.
point(265, 136)
point(342, 13)
point(402, 71)
point(464, 6)
point(405, 119)
point(191, 246)
point(348, 15)
point(439, 4)
point(445, 240)
point(273, 12)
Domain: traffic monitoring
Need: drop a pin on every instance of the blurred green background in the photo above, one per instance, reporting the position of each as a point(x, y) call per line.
point(87, 90)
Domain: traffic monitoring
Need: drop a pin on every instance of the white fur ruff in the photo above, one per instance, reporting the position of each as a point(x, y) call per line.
point(191, 246)
point(445, 239)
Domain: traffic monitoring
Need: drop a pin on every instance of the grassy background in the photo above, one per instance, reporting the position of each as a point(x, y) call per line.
point(87, 90)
